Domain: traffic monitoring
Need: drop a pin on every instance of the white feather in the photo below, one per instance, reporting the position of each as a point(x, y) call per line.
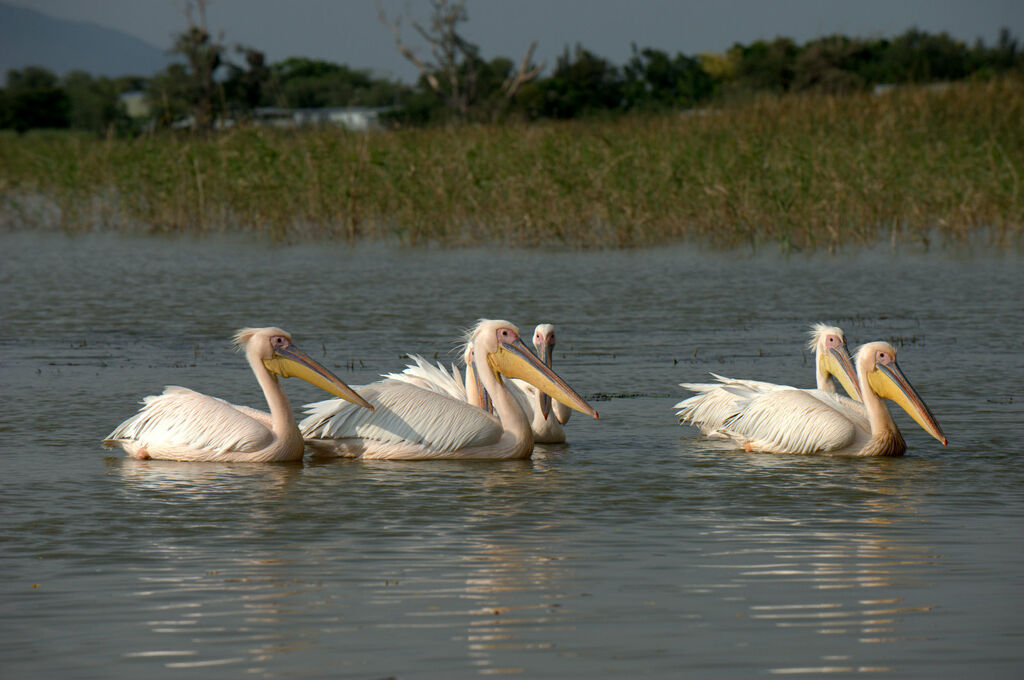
point(406, 417)
point(181, 418)
point(796, 421)
point(433, 378)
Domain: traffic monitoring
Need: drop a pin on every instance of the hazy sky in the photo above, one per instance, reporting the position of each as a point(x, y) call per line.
point(349, 32)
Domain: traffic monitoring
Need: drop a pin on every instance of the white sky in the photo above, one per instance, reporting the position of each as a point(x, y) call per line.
point(349, 32)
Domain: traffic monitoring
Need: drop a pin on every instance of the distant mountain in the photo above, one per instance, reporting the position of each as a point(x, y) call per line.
point(31, 38)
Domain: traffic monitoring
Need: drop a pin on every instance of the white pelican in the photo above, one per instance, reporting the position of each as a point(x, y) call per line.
point(181, 424)
point(416, 423)
point(814, 421)
point(546, 418)
point(717, 402)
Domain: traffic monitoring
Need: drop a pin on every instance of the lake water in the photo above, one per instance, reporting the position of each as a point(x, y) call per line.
point(636, 550)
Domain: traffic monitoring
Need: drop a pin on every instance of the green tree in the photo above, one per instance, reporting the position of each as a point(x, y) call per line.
point(832, 65)
point(170, 95)
point(246, 88)
point(94, 103)
point(652, 79)
point(306, 83)
point(34, 99)
point(765, 66)
point(916, 56)
point(204, 55)
point(582, 83)
point(1006, 55)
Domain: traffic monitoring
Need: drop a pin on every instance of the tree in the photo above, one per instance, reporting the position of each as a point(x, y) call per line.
point(831, 65)
point(766, 66)
point(916, 56)
point(652, 79)
point(456, 70)
point(204, 56)
point(94, 103)
point(34, 99)
point(301, 82)
point(581, 84)
point(1006, 55)
point(170, 94)
point(244, 87)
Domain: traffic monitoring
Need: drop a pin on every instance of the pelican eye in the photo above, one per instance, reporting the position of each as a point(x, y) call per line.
point(279, 341)
point(832, 341)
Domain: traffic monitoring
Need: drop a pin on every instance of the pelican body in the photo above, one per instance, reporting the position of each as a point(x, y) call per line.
point(815, 421)
point(715, 403)
point(182, 424)
point(414, 422)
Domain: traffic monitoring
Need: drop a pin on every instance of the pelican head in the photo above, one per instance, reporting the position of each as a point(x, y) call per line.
point(876, 361)
point(544, 344)
point(833, 358)
point(274, 349)
point(507, 356)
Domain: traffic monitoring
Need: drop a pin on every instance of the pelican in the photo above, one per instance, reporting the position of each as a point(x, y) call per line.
point(814, 421)
point(417, 423)
point(546, 418)
point(181, 424)
point(717, 402)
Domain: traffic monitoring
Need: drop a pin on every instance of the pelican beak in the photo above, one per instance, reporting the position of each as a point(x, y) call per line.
point(837, 363)
point(483, 399)
point(515, 360)
point(291, 362)
point(544, 354)
point(888, 381)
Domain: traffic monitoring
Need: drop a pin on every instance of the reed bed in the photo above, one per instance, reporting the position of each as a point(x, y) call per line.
point(803, 172)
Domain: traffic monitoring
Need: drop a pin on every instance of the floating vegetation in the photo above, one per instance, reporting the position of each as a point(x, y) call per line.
point(915, 165)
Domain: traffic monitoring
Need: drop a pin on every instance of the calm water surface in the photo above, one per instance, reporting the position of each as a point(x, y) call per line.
point(637, 550)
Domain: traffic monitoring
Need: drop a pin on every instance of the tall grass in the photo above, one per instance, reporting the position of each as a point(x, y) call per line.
point(797, 171)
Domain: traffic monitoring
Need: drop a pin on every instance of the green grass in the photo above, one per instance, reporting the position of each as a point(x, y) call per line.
point(802, 172)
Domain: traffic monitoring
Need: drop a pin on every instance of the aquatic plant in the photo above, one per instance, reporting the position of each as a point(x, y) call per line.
point(796, 171)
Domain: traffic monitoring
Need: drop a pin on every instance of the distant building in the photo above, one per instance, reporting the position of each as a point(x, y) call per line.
point(135, 104)
point(356, 118)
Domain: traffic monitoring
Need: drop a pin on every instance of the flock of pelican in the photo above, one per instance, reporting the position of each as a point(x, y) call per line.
point(770, 418)
point(422, 413)
point(507, 399)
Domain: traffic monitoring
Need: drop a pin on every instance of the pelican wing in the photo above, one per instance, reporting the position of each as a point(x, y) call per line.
point(708, 409)
point(181, 417)
point(793, 421)
point(758, 386)
point(433, 378)
point(403, 414)
point(716, 402)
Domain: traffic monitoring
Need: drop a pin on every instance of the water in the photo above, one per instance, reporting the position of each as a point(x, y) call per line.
point(637, 550)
